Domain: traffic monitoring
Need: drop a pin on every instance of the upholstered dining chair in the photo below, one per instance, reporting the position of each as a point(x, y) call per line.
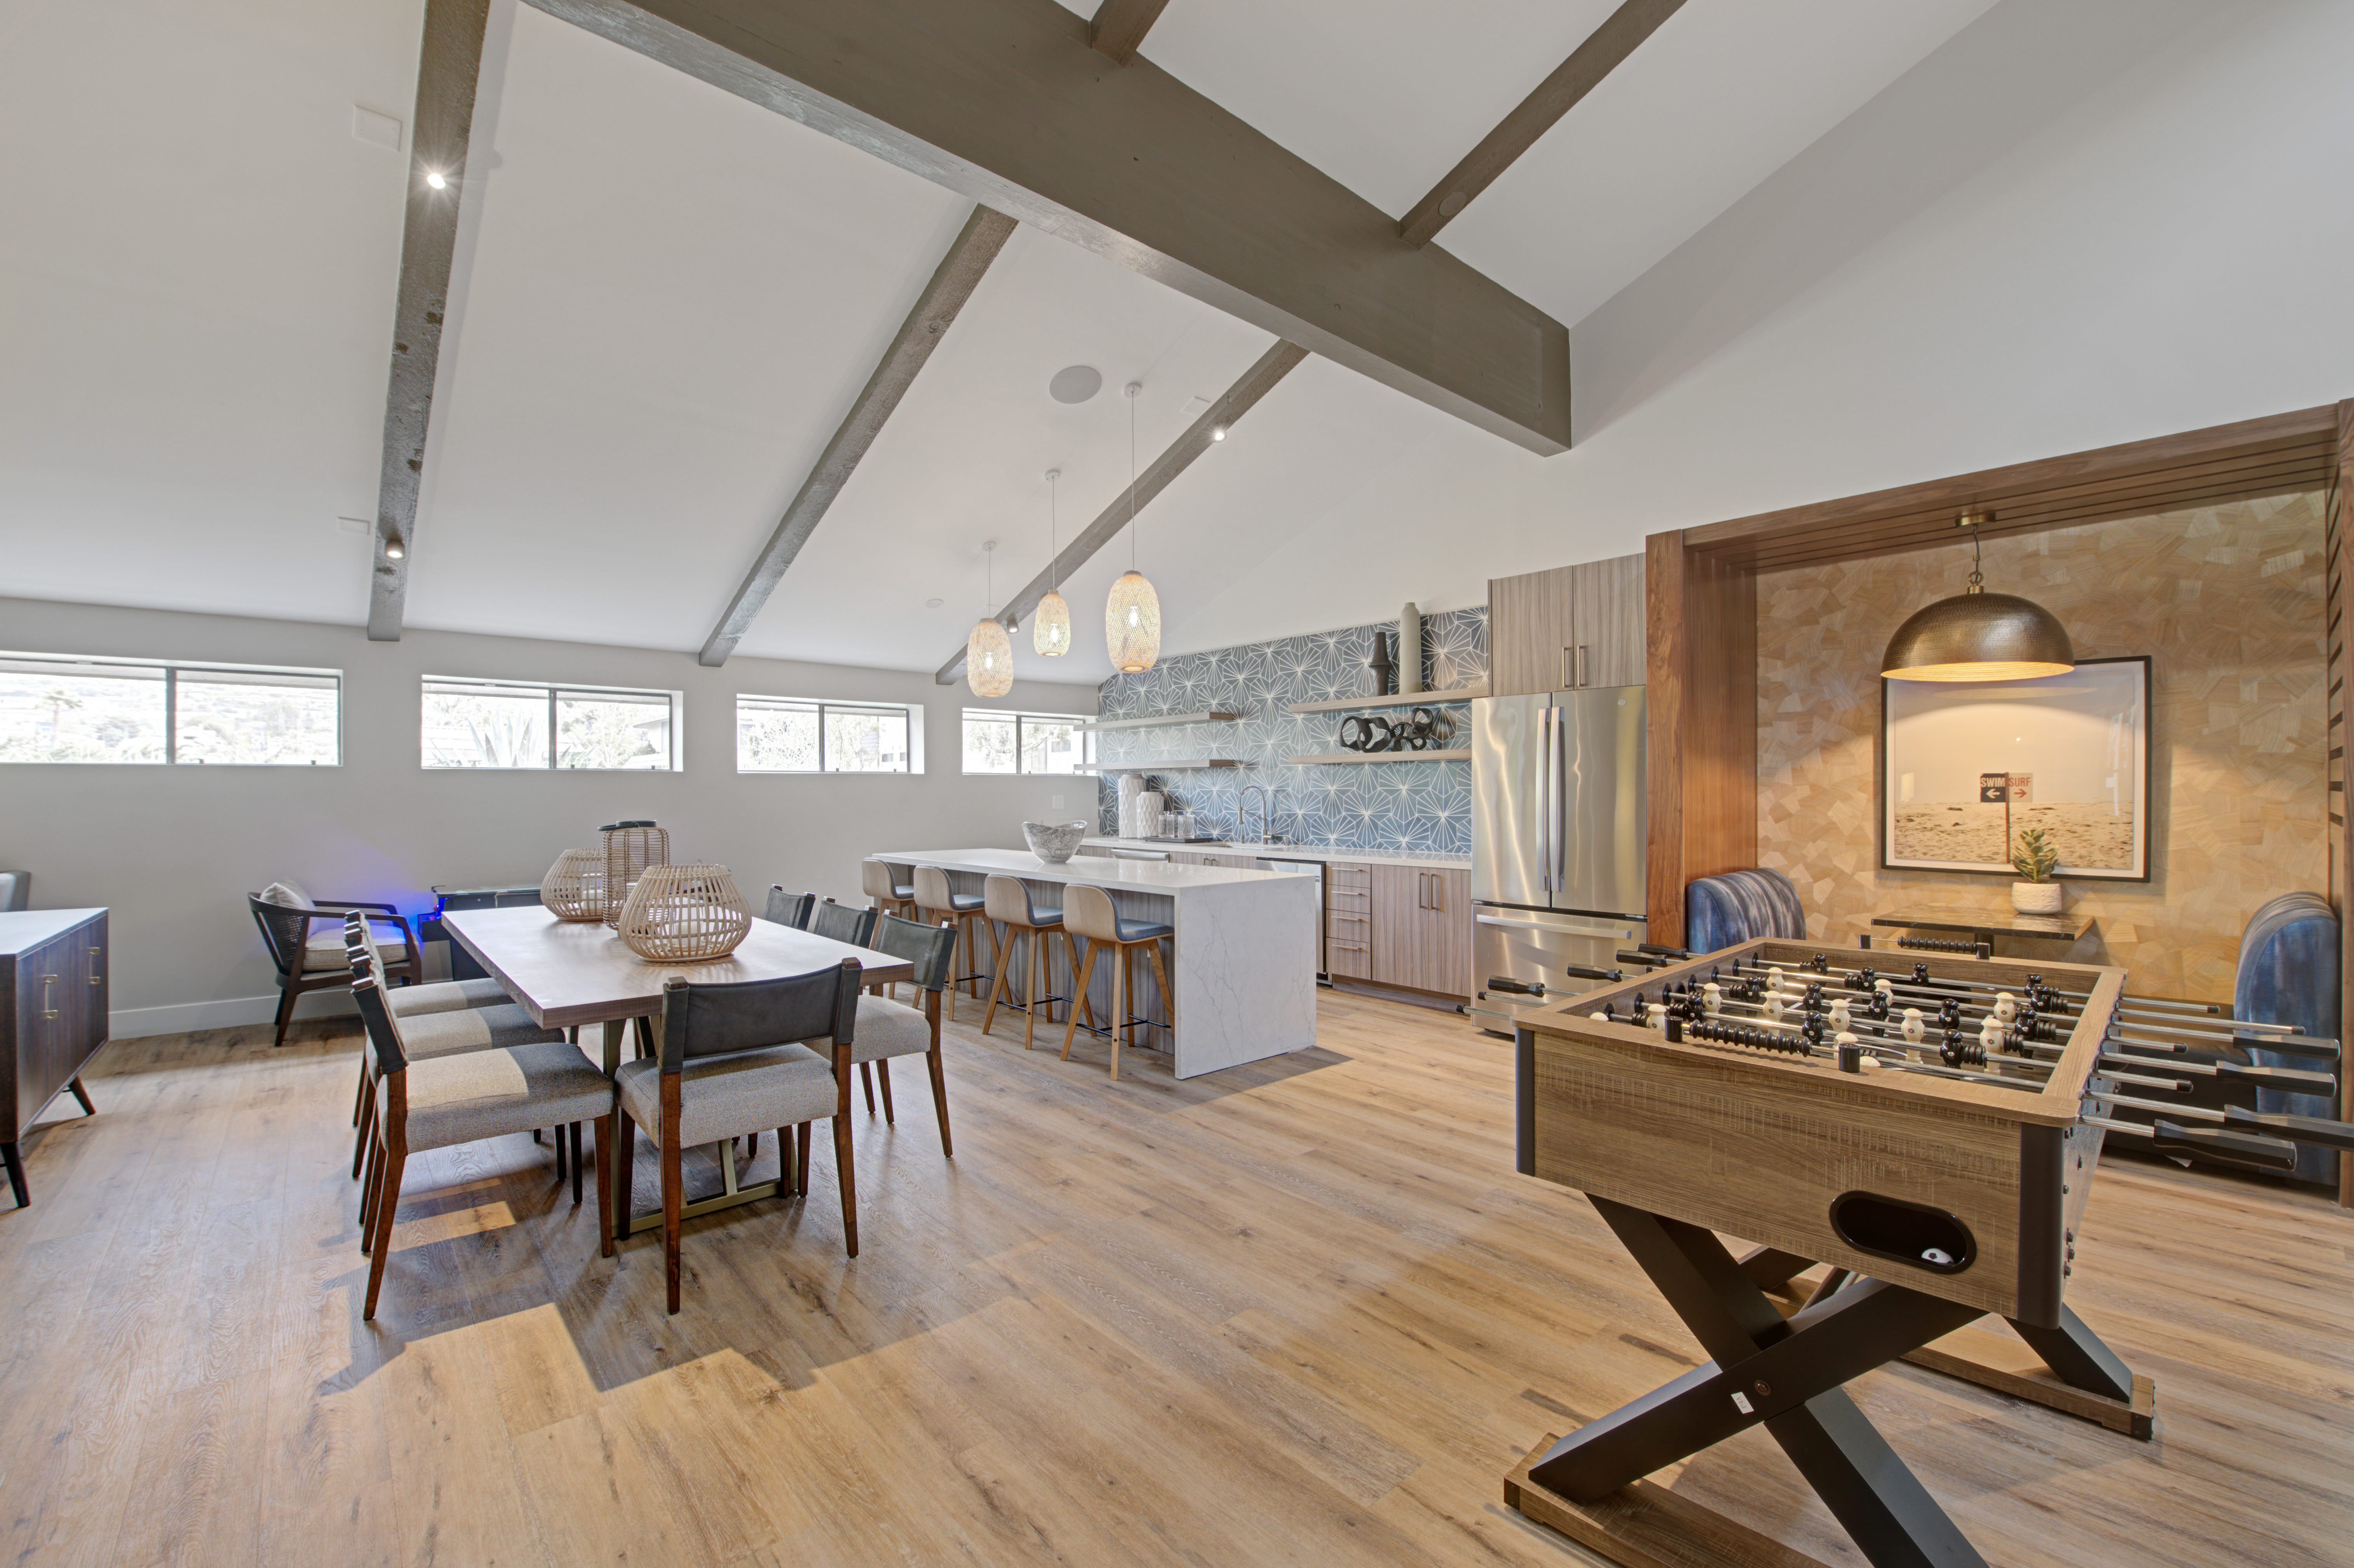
point(789, 908)
point(888, 1028)
point(729, 1061)
point(438, 1020)
point(840, 923)
point(892, 887)
point(439, 1102)
point(306, 960)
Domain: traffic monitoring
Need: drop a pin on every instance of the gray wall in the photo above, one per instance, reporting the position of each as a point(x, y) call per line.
point(173, 851)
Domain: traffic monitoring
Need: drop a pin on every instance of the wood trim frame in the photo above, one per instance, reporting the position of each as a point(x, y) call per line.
point(1702, 605)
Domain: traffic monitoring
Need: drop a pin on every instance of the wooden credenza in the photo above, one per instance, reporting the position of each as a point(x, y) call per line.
point(53, 985)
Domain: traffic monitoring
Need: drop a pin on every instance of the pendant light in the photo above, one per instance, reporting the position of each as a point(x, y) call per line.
point(1051, 633)
point(988, 652)
point(1132, 613)
point(1978, 636)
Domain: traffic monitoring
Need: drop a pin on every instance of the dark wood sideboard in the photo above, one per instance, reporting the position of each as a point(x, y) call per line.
point(53, 971)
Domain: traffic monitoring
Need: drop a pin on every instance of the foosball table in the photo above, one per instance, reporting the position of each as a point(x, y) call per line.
point(1929, 1132)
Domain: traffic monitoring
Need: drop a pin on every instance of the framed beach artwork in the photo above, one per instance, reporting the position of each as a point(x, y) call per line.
point(1968, 764)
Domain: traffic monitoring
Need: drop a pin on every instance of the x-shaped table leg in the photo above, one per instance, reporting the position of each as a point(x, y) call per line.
point(1784, 1375)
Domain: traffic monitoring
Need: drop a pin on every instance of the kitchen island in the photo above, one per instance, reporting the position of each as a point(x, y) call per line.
point(1242, 962)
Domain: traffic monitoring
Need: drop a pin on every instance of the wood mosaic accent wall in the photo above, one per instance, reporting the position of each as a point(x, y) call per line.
point(2228, 601)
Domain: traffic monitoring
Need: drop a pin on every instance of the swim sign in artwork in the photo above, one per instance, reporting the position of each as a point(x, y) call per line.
point(1970, 766)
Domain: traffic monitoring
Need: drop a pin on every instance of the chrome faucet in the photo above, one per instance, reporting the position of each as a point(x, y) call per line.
point(1242, 814)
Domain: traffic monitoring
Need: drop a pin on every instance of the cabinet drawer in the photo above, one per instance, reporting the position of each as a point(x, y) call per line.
point(1353, 961)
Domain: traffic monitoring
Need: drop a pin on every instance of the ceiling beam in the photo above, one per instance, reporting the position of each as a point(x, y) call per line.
point(953, 281)
point(1119, 27)
point(1608, 44)
point(1005, 102)
point(449, 64)
point(1231, 405)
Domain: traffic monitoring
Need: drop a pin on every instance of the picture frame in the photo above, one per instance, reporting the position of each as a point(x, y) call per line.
point(1964, 765)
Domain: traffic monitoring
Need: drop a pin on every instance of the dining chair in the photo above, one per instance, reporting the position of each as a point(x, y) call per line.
point(789, 908)
point(888, 1029)
point(840, 923)
point(1010, 900)
point(442, 1101)
point(892, 887)
point(729, 1060)
point(305, 962)
point(443, 1032)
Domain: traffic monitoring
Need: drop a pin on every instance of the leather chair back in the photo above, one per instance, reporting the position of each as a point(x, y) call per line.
point(1741, 907)
point(1087, 912)
point(1007, 898)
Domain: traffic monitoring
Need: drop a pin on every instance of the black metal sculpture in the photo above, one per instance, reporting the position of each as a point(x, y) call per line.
point(1428, 729)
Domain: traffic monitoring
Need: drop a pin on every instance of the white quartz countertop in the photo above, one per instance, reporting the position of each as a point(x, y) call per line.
point(1289, 851)
point(1092, 871)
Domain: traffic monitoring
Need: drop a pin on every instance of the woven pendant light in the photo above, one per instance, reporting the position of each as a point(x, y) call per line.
point(988, 652)
point(1132, 613)
point(1975, 635)
point(1051, 633)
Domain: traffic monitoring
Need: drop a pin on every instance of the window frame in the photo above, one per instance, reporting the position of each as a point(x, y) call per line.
point(1089, 763)
point(556, 692)
point(912, 712)
point(171, 669)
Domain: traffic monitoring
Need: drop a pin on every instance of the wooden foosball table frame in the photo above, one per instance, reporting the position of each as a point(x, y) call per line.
point(1874, 1173)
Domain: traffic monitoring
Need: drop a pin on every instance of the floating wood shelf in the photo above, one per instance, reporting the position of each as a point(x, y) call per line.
point(1385, 757)
point(1160, 721)
point(1172, 765)
point(1402, 700)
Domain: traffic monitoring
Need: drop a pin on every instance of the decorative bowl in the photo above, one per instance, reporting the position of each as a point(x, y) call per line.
point(1053, 842)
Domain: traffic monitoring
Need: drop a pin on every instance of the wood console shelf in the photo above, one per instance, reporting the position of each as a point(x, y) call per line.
point(1333, 756)
point(1169, 765)
point(53, 972)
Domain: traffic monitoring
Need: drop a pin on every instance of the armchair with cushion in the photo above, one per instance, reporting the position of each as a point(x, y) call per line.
point(309, 960)
point(888, 1029)
point(1740, 907)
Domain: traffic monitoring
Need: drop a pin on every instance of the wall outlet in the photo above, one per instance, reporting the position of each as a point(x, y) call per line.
point(1058, 802)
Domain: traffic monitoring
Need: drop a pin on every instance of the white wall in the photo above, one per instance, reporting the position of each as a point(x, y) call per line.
point(173, 851)
point(2077, 223)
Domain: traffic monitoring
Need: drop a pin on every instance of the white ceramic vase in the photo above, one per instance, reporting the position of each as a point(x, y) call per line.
point(2037, 897)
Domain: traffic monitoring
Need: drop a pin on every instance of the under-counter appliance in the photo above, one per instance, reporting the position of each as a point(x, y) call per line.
point(1314, 868)
point(1557, 845)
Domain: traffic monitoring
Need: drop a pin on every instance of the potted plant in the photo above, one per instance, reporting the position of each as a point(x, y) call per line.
point(2035, 860)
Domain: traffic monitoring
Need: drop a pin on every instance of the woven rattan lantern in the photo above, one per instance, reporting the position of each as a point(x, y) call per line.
point(629, 848)
point(684, 914)
point(574, 887)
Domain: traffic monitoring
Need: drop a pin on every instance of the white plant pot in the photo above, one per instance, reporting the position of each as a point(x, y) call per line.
point(2037, 897)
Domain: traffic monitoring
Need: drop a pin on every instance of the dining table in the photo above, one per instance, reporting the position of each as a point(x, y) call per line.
point(570, 974)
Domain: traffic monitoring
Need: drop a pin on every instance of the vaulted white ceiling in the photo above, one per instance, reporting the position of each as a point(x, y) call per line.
point(665, 299)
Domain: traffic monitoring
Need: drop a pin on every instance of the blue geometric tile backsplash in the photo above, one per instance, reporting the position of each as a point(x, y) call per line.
point(1400, 808)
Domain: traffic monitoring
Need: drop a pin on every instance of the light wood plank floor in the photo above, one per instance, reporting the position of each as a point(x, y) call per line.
point(1300, 1313)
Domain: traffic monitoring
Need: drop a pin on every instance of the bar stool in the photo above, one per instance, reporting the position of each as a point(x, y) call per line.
point(892, 887)
point(1087, 912)
point(1008, 899)
point(935, 898)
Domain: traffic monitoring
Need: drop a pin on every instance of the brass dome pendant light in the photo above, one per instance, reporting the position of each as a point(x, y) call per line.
point(1978, 636)
point(1051, 633)
point(988, 652)
point(1132, 613)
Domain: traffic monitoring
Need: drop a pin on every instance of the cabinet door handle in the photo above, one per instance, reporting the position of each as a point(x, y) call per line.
point(1581, 664)
point(47, 982)
point(97, 977)
point(1569, 677)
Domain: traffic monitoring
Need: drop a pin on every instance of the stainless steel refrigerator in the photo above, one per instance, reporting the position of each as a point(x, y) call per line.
point(1558, 843)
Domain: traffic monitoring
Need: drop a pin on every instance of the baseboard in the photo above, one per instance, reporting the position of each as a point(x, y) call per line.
point(231, 1012)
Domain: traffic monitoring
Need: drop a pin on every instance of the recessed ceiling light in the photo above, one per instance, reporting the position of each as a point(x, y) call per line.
point(934, 603)
point(433, 177)
point(393, 548)
point(1074, 384)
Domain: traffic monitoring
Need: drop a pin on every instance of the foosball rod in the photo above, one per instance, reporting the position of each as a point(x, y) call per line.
point(2177, 1142)
point(2278, 1036)
point(2319, 1131)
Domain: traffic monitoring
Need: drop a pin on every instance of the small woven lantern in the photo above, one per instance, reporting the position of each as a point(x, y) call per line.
point(574, 887)
point(684, 914)
point(629, 848)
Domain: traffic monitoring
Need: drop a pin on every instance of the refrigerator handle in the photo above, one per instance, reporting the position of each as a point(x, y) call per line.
point(1544, 798)
point(1557, 761)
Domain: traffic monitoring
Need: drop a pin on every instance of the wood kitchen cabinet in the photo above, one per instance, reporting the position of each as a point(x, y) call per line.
point(1573, 626)
point(53, 1010)
point(1421, 928)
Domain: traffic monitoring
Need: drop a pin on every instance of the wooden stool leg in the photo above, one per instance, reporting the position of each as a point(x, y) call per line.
point(1168, 997)
point(1036, 999)
point(1079, 997)
point(1070, 1016)
point(1120, 999)
point(996, 992)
